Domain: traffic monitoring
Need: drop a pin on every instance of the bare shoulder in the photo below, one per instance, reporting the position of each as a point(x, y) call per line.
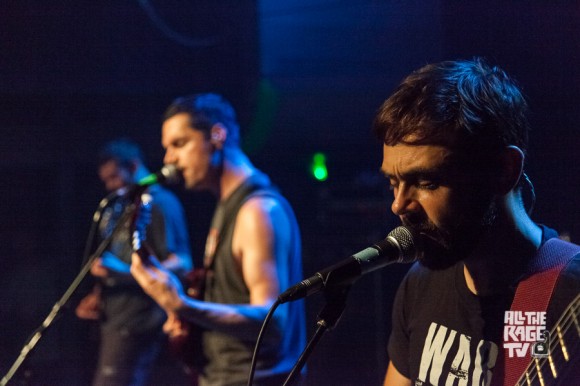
point(265, 208)
point(262, 225)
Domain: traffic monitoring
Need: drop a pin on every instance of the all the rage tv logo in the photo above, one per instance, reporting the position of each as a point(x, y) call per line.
point(525, 332)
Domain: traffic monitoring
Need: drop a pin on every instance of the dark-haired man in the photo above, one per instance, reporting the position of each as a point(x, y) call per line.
point(252, 250)
point(131, 335)
point(455, 137)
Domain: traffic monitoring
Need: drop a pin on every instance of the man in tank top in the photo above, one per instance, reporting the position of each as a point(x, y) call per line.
point(252, 253)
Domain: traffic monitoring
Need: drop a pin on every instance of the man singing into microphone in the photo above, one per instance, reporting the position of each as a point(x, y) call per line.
point(252, 251)
point(455, 140)
point(131, 323)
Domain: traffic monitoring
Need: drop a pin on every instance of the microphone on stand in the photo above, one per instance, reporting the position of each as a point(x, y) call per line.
point(402, 245)
point(168, 174)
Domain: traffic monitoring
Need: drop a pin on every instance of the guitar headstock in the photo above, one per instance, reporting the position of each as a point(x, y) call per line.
point(141, 219)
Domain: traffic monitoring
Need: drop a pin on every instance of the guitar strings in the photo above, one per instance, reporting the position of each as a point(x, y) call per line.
point(566, 321)
point(538, 365)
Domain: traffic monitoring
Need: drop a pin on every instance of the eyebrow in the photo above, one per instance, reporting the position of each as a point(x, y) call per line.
point(421, 173)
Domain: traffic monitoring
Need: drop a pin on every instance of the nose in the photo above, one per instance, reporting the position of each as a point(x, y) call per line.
point(404, 202)
point(169, 158)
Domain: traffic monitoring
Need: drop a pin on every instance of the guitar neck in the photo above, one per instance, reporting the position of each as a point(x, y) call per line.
point(141, 218)
point(564, 348)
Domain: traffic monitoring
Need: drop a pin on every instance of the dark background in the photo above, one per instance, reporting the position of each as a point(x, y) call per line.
point(305, 76)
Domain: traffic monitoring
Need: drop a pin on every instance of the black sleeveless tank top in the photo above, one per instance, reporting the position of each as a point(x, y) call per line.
point(228, 359)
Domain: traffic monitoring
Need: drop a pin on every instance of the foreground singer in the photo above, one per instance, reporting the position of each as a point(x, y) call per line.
point(455, 138)
point(252, 251)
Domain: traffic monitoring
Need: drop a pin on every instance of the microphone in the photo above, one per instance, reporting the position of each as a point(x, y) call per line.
point(400, 246)
point(168, 174)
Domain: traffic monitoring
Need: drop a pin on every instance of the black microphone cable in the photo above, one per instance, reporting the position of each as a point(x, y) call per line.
point(259, 340)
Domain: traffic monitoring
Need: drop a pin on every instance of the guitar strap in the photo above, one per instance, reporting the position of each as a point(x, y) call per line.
point(533, 294)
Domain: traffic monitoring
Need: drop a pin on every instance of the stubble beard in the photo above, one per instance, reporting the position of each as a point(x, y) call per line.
point(447, 244)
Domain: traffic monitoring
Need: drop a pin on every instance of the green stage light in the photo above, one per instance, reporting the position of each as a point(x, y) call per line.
point(318, 167)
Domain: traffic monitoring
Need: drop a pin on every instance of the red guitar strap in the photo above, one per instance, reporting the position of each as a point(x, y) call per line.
point(534, 294)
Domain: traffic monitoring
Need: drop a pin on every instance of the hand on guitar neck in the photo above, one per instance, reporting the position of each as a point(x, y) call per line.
point(166, 289)
point(163, 286)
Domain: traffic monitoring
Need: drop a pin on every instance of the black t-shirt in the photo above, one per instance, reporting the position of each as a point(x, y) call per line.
point(443, 334)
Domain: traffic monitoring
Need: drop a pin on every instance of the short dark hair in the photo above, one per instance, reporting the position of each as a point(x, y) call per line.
point(206, 110)
point(123, 151)
point(466, 106)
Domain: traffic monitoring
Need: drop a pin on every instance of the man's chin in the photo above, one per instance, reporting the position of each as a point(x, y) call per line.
point(193, 187)
point(437, 256)
point(197, 186)
point(190, 183)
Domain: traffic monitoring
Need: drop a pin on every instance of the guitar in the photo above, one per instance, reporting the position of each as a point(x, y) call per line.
point(563, 344)
point(184, 339)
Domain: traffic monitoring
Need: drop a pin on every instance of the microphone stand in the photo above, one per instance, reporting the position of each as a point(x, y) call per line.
point(328, 318)
point(35, 337)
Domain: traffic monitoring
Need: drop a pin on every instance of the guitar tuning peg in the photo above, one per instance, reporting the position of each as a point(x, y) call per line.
point(136, 240)
point(146, 198)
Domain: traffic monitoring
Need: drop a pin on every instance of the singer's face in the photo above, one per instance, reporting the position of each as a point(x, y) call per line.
point(189, 150)
point(114, 176)
point(436, 196)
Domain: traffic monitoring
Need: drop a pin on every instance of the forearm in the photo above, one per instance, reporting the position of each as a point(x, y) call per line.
point(394, 378)
point(110, 268)
point(242, 321)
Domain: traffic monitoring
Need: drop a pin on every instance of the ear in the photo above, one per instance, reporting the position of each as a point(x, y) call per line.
point(218, 135)
point(512, 165)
